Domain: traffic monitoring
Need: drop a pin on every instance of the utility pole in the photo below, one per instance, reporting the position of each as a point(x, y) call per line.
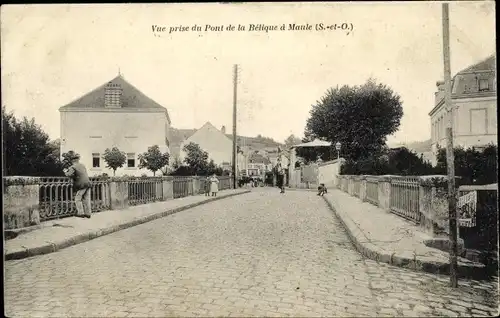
point(450, 158)
point(235, 89)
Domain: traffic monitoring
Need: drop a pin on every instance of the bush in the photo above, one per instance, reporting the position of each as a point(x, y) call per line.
point(400, 161)
point(473, 166)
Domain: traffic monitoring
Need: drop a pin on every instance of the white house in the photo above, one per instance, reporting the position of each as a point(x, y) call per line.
point(116, 114)
point(212, 140)
point(475, 108)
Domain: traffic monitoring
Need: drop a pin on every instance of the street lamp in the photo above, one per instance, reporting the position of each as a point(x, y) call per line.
point(337, 146)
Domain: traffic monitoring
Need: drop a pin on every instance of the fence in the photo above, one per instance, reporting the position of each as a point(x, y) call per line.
point(143, 191)
point(400, 195)
point(53, 197)
point(372, 190)
point(56, 197)
point(405, 197)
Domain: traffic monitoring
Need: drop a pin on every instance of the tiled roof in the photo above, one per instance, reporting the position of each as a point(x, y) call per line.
point(258, 158)
point(131, 98)
point(488, 64)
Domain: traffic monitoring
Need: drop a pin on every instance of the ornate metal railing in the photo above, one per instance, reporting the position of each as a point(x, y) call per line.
point(57, 197)
point(404, 199)
point(145, 190)
point(372, 190)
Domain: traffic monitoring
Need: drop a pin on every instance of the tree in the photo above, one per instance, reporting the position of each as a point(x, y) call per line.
point(153, 159)
point(114, 158)
point(471, 165)
point(359, 117)
point(292, 141)
point(27, 150)
point(196, 158)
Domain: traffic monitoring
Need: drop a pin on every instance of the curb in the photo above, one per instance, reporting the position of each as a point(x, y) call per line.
point(468, 272)
point(300, 189)
point(54, 247)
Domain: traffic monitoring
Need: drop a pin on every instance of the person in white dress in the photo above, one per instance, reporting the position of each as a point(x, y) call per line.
point(214, 185)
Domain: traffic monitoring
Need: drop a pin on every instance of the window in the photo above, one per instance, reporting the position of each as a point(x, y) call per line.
point(131, 160)
point(484, 85)
point(96, 160)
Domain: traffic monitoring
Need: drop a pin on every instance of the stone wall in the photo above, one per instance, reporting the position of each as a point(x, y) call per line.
point(21, 202)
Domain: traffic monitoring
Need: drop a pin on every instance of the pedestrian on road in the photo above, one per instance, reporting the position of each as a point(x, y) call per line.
point(214, 185)
point(280, 176)
point(322, 189)
point(81, 184)
point(207, 186)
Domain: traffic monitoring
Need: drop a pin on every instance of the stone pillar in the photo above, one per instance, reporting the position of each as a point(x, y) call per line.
point(384, 193)
point(168, 188)
point(362, 188)
point(426, 206)
point(350, 185)
point(21, 202)
point(118, 195)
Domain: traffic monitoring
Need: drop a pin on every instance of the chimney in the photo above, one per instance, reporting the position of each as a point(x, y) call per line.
point(112, 96)
point(223, 129)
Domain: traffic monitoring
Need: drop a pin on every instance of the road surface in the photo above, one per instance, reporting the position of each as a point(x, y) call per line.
point(259, 254)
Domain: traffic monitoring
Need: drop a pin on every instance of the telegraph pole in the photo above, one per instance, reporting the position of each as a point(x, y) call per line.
point(450, 158)
point(235, 84)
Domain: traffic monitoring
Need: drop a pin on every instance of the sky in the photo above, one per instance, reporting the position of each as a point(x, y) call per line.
point(53, 54)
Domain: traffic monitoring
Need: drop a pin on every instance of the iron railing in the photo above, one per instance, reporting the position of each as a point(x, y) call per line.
point(372, 190)
point(56, 197)
point(145, 190)
point(183, 187)
point(404, 199)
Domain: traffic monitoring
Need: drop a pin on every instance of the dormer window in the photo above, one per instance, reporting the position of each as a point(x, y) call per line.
point(112, 96)
point(484, 85)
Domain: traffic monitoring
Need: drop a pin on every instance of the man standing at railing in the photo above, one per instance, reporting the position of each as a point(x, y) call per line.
point(81, 184)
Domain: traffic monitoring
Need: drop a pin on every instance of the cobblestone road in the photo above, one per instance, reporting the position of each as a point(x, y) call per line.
point(260, 254)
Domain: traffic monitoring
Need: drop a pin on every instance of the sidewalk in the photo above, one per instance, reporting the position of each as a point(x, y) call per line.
point(387, 238)
point(58, 234)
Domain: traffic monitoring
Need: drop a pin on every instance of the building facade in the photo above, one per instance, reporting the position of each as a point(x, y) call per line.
point(474, 100)
point(212, 140)
point(115, 114)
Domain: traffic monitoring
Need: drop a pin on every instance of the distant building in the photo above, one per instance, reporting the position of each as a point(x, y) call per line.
point(282, 156)
point(475, 108)
point(212, 140)
point(257, 165)
point(116, 114)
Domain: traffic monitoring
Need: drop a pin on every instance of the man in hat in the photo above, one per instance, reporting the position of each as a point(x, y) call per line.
point(81, 184)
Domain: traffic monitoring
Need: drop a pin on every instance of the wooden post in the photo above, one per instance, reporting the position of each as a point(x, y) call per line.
point(450, 158)
point(234, 124)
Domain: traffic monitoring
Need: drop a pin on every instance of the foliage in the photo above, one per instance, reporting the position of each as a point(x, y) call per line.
point(292, 141)
point(196, 163)
point(153, 159)
point(196, 158)
point(114, 158)
point(400, 161)
point(359, 117)
point(473, 166)
point(311, 154)
point(27, 150)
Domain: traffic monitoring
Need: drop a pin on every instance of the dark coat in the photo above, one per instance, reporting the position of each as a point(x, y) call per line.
point(78, 173)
